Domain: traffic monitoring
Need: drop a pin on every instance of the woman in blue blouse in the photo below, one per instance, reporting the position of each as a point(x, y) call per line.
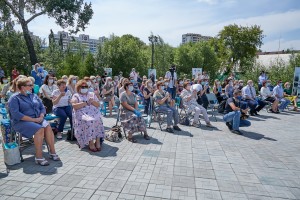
point(27, 115)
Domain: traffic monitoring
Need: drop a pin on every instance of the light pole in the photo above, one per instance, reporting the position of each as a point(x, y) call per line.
point(153, 39)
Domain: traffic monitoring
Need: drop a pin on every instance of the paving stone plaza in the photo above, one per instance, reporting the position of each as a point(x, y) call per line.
point(197, 163)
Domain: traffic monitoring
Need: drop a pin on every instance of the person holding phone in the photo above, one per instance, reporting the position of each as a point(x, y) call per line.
point(162, 101)
point(61, 106)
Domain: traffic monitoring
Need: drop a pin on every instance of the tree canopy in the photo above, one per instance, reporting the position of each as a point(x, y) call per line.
point(74, 15)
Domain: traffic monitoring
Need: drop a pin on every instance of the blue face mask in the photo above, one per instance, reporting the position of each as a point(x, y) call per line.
point(239, 98)
point(280, 84)
point(28, 92)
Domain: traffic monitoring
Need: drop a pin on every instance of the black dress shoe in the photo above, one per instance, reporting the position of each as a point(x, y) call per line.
point(237, 132)
point(176, 128)
point(229, 125)
point(256, 113)
point(170, 130)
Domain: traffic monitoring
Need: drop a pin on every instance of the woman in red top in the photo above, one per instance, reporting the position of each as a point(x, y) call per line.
point(15, 73)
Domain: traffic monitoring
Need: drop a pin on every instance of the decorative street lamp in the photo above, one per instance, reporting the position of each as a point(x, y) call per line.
point(153, 39)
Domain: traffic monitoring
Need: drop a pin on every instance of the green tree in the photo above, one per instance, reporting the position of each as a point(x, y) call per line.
point(196, 55)
point(13, 51)
point(66, 13)
point(89, 66)
point(122, 54)
point(163, 56)
point(238, 45)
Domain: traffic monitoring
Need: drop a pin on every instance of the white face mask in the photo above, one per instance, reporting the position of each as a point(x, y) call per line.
point(181, 82)
point(5, 81)
point(89, 83)
point(241, 84)
point(94, 81)
point(74, 82)
point(50, 81)
point(65, 80)
point(130, 88)
point(162, 87)
point(166, 83)
point(84, 90)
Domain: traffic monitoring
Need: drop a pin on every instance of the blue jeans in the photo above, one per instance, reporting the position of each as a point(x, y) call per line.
point(283, 103)
point(252, 105)
point(63, 113)
point(234, 118)
point(172, 92)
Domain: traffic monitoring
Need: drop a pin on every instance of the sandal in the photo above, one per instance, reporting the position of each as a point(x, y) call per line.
point(98, 148)
point(41, 161)
point(54, 157)
point(132, 140)
point(93, 150)
point(59, 136)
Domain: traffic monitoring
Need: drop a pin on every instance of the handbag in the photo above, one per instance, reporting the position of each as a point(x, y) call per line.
point(11, 153)
point(185, 121)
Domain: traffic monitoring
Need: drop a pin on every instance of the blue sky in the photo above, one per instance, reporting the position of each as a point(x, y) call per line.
point(171, 18)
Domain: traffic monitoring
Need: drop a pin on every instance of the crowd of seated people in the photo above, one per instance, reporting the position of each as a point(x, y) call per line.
point(69, 97)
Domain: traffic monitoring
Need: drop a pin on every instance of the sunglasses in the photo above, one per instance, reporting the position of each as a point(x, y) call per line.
point(84, 87)
point(28, 85)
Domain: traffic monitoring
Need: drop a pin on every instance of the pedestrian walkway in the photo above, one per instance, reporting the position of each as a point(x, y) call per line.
point(197, 163)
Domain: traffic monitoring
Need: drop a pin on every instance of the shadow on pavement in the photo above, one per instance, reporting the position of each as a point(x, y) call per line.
point(29, 166)
point(256, 136)
point(183, 133)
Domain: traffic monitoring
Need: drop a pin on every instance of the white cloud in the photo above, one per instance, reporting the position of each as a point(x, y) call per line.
point(170, 19)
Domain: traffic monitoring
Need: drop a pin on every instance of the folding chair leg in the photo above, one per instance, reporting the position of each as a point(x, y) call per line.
point(19, 143)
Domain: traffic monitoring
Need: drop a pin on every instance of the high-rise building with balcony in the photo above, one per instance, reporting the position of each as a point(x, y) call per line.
point(193, 37)
point(88, 43)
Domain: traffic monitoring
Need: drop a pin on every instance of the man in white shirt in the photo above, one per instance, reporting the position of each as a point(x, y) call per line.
point(249, 95)
point(278, 94)
point(134, 74)
point(172, 77)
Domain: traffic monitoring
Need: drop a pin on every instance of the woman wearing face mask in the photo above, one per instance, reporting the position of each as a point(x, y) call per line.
point(267, 96)
point(217, 90)
point(4, 87)
point(27, 116)
point(108, 94)
point(147, 92)
point(180, 86)
point(89, 83)
point(162, 101)
point(87, 120)
point(288, 94)
point(229, 89)
point(131, 119)
point(46, 91)
point(61, 106)
point(95, 86)
point(71, 84)
point(121, 89)
point(190, 102)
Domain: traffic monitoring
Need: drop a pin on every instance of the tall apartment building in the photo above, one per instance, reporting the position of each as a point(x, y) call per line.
point(88, 43)
point(193, 37)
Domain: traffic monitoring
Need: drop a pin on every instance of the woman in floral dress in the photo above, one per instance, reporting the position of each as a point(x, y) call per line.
point(88, 125)
point(131, 119)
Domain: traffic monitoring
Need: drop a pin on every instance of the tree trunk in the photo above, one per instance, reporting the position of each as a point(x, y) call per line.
point(29, 43)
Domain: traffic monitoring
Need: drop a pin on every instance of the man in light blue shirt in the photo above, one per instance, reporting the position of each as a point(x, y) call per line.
point(278, 94)
point(249, 94)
